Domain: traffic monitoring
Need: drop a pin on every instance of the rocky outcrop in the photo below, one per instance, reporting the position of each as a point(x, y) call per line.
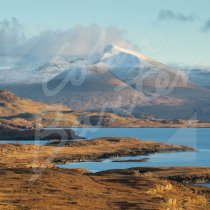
point(7, 95)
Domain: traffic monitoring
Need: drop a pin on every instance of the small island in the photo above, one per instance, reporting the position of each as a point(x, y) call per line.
point(80, 150)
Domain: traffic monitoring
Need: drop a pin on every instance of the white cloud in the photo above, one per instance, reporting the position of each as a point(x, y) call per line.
point(11, 35)
point(80, 40)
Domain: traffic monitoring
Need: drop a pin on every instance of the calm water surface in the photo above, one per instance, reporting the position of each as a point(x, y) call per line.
point(199, 138)
point(25, 142)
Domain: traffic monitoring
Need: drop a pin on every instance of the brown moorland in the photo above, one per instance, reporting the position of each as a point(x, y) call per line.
point(28, 180)
point(125, 189)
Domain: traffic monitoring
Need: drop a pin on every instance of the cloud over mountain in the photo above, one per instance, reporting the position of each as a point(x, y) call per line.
point(11, 35)
point(79, 40)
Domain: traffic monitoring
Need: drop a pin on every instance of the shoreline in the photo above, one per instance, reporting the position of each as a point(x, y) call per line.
point(14, 134)
point(58, 127)
point(77, 151)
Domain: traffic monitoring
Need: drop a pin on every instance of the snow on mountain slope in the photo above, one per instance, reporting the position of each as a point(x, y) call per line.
point(115, 56)
point(127, 65)
point(29, 73)
point(135, 68)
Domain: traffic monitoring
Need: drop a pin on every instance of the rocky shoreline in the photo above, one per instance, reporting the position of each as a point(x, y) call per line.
point(82, 150)
point(127, 147)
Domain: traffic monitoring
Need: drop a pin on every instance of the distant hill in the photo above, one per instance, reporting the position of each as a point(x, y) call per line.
point(18, 113)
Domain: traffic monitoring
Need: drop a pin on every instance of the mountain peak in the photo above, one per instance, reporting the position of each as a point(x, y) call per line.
point(117, 49)
point(115, 56)
point(112, 47)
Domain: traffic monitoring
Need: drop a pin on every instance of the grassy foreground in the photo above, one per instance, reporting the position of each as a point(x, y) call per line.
point(30, 180)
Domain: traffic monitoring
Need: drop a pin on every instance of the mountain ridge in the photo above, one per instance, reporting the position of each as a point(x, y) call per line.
point(121, 80)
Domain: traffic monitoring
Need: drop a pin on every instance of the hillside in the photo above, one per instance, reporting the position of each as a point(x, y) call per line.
point(20, 113)
point(21, 110)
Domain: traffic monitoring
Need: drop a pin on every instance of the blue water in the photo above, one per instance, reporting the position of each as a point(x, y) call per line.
point(203, 185)
point(199, 138)
point(36, 142)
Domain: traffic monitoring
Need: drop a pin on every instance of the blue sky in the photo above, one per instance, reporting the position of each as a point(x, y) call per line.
point(175, 38)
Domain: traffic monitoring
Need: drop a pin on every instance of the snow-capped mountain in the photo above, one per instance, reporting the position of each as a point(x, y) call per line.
point(136, 69)
point(117, 79)
point(123, 63)
point(117, 57)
